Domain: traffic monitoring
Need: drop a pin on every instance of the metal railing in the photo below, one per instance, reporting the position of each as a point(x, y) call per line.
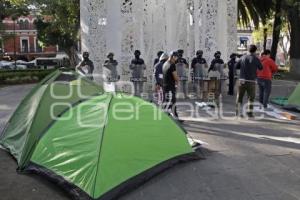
point(31, 50)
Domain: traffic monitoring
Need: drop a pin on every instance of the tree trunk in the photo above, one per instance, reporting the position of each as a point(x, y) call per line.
point(73, 58)
point(276, 29)
point(294, 19)
point(265, 38)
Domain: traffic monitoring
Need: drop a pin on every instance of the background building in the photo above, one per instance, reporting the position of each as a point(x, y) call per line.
point(19, 39)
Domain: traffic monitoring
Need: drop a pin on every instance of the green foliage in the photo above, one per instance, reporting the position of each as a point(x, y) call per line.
point(59, 22)
point(13, 8)
point(258, 34)
point(254, 11)
point(9, 77)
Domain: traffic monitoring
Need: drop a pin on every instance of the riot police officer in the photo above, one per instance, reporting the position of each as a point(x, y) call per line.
point(232, 73)
point(199, 67)
point(110, 69)
point(86, 66)
point(138, 67)
point(182, 67)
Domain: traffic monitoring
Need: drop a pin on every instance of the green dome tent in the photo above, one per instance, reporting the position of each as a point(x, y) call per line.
point(292, 102)
point(96, 145)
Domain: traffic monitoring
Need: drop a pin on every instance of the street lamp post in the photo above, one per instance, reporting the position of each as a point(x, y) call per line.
point(15, 53)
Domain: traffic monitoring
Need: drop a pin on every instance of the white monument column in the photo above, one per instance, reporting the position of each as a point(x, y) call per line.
point(222, 24)
point(121, 26)
point(93, 22)
point(210, 10)
point(232, 13)
point(113, 34)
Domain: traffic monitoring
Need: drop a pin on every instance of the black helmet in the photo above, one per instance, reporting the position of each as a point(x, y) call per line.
point(199, 52)
point(159, 53)
point(218, 53)
point(233, 55)
point(110, 54)
point(137, 52)
point(180, 51)
point(85, 54)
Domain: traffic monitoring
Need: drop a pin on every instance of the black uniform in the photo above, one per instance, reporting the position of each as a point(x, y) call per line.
point(89, 65)
point(214, 62)
point(231, 75)
point(198, 71)
point(169, 87)
point(198, 61)
point(138, 67)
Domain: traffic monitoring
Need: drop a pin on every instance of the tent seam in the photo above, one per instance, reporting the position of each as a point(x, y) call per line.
point(29, 127)
point(100, 146)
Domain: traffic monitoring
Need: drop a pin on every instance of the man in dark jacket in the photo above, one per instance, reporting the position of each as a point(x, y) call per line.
point(232, 73)
point(170, 83)
point(156, 60)
point(159, 77)
point(249, 65)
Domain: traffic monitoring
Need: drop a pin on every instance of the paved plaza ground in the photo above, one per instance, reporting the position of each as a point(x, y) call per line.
point(246, 160)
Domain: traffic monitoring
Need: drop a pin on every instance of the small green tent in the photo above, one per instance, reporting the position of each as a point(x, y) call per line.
point(96, 145)
point(292, 102)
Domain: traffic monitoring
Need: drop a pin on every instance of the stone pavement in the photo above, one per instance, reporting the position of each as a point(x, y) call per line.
point(246, 160)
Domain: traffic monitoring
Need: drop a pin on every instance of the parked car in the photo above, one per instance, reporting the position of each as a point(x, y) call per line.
point(6, 65)
point(51, 62)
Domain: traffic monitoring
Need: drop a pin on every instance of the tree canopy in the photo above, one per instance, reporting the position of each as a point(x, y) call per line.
point(58, 24)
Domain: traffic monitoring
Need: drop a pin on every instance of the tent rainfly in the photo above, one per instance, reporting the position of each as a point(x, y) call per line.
point(292, 102)
point(85, 140)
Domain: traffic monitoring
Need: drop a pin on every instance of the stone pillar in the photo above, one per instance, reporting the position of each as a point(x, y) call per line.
point(93, 23)
point(199, 20)
point(210, 10)
point(232, 13)
point(122, 26)
point(222, 28)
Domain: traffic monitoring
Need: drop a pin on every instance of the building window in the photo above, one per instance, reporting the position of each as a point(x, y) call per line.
point(21, 24)
point(1, 46)
point(39, 49)
point(24, 46)
point(24, 24)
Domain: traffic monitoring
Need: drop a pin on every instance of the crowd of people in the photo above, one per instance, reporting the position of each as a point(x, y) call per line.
point(171, 72)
